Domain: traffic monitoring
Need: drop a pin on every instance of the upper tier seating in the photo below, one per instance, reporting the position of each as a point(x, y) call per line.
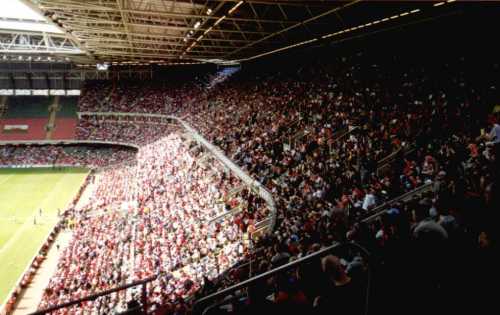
point(34, 114)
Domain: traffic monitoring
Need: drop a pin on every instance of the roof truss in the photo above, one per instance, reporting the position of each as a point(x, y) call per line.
point(194, 30)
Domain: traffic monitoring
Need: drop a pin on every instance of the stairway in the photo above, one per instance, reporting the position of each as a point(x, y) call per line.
point(3, 105)
point(53, 108)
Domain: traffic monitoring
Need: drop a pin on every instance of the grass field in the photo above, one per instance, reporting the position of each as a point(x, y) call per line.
point(22, 193)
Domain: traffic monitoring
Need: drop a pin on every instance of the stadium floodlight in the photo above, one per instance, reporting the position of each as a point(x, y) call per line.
point(209, 11)
point(197, 24)
point(102, 66)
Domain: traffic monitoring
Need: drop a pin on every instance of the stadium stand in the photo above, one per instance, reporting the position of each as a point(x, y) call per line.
point(23, 128)
point(278, 128)
point(39, 117)
point(69, 155)
point(27, 117)
point(383, 167)
point(66, 119)
point(28, 106)
point(3, 105)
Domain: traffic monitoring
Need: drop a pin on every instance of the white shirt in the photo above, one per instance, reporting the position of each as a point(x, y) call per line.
point(369, 201)
point(495, 134)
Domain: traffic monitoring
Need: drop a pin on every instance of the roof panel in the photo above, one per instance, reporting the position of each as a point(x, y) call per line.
point(28, 26)
point(15, 9)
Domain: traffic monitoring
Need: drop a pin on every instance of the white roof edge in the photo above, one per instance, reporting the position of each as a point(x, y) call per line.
point(17, 15)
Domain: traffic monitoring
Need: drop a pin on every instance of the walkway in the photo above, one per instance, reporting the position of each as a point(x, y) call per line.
point(30, 298)
point(53, 108)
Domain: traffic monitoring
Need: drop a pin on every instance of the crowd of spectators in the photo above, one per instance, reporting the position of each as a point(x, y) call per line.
point(162, 214)
point(331, 140)
point(171, 95)
point(317, 138)
point(68, 155)
point(129, 130)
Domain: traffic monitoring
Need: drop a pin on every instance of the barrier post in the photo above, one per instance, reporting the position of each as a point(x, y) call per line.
point(144, 298)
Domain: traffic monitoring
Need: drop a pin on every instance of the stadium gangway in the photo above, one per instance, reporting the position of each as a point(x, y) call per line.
point(231, 212)
point(143, 283)
point(386, 162)
point(343, 133)
point(256, 186)
point(3, 105)
point(204, 305)
point(379, 210)
point(336, 137)
point(144, 299)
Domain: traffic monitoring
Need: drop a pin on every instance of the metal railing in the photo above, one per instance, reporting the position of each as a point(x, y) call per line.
point(384, 164)
point(202, 306)
point(93, 297)
point(379, 210)
point(215, 151)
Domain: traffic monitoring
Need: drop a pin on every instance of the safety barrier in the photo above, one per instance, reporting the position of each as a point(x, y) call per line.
point(216, 152)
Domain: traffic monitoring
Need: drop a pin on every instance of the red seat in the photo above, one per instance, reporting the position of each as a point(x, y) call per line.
point(65, 129)
point(36, 129)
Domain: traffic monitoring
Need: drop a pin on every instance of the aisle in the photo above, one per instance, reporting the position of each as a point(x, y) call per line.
point(31, 297)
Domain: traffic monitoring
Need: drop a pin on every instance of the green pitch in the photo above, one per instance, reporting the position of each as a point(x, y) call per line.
point(22, 193)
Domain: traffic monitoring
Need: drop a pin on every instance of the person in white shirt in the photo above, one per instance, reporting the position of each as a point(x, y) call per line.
point(494, 135)
point(369, 202)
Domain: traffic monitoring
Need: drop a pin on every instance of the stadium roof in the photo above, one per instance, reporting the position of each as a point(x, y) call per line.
point(174, 31)
point(15, 15)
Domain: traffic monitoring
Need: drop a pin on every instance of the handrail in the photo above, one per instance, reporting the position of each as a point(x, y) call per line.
point(344, 132)
point(255, 185)
point(262, 191)
point(95, 296)
point(236, 210)
point(68, 142)
point(389, 158)
point(379, 210)
point(276, 270)
point(391, 155)
point(259, 188)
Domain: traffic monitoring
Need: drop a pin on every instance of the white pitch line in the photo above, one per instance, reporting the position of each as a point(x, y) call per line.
point(5, 179)
point(28, 223)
